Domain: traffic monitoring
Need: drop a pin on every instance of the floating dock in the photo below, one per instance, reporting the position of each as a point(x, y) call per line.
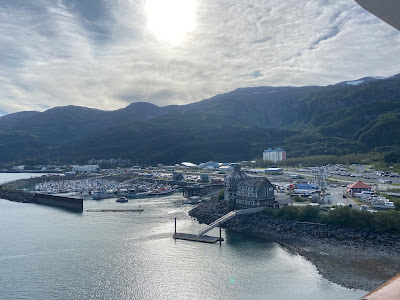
point(197, 238)
point(116, 210)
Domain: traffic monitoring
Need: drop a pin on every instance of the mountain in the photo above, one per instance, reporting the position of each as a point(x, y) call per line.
point(66, 124)
point(8, 122)
point(269, 107)
point(312, 120)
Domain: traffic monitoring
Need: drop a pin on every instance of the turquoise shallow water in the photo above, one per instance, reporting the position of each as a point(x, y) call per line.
point(48, 253)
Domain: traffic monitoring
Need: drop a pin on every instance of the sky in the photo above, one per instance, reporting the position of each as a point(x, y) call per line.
point(107, 54)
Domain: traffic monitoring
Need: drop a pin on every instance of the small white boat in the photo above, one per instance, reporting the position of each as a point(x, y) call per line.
point(122, 200)
point(192, 200)
point(162, 192)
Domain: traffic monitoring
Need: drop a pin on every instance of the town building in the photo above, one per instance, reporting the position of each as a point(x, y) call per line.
point(274, 155)
point(246, 191)
point(204, 178)
point(281, 203)
point(358, 187)
point(225, 168)
point(210, 165)
point(186, 164)
point(177, 176)
point(85, 168)
point(18, 168)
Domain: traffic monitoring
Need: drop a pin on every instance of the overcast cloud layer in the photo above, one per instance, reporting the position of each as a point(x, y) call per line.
point(102, 53)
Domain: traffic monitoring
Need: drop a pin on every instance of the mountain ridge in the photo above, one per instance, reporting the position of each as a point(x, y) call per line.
point(298, 118)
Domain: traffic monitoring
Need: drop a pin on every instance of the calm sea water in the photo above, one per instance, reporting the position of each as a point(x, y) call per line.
point(49, 253)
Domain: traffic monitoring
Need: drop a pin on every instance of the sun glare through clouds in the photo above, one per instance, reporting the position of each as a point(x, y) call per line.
point(170, 20)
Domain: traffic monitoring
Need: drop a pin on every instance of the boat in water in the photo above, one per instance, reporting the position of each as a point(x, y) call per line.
point(162, 192)
point(99, 196)
point(130, 194)
point(142, 194)
point(122, 200)
point(192, 200)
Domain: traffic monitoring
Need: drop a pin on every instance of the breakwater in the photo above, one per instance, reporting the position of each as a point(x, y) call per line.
point(50, 200)
point(16, 196)
point(59, 201)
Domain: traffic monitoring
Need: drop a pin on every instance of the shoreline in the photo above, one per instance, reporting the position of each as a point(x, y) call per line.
point(349, 258)
point(354, 268)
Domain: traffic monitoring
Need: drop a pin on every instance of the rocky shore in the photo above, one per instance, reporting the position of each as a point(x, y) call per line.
point(354, 259)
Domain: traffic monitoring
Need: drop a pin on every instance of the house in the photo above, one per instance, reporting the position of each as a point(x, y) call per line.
point(358, 187)
point(246, 191)
point(204, 178)
point(279, 203)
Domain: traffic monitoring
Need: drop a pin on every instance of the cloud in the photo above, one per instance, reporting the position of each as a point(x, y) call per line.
point(100, 53)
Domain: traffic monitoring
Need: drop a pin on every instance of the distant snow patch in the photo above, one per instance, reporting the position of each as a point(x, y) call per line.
point(354, 82)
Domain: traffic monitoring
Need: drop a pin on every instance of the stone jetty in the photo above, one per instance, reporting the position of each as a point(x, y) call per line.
point(16, 196)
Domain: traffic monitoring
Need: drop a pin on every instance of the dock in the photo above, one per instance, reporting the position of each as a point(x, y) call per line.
point(201, 237)
point(116, 210)
point(197, 238)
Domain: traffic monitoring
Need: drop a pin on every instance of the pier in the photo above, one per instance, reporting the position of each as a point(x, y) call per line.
point(201, 237)
point(198, 238)
point(116, 210)
point(229, 216)
point(200, 190)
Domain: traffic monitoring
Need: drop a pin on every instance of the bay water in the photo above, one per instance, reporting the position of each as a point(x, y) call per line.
point(50, 253)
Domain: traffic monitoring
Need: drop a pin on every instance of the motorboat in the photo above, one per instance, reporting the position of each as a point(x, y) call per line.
point(122, 200)
point(162, 192)
point(192, 200)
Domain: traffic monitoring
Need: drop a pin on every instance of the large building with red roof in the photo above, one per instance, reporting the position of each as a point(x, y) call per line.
point(358, 187)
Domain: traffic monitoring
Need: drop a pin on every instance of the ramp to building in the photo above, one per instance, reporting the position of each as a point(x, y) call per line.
point(229, 216)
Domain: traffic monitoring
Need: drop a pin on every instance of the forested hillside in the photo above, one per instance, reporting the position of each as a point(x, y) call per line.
point(334, 120)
